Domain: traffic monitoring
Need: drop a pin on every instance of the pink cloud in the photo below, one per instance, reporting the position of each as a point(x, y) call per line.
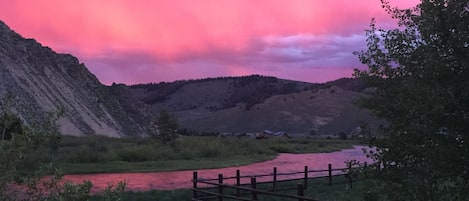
point(145, 40)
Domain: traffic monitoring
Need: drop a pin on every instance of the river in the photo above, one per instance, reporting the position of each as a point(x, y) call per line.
point(182, 179)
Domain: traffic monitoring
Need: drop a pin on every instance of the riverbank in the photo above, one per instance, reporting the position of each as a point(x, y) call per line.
point(285, 163)
point(97, 154)
point(318, 189)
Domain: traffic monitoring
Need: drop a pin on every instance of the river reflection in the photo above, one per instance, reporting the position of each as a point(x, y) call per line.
point(182, 179)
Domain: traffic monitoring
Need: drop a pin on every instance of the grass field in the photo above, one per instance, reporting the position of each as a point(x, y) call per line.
point(96, 154)
point(317, 189)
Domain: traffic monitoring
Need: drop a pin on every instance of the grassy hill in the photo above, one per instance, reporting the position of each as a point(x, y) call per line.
point(326, 111)
point(255, 103)
point(214, 93)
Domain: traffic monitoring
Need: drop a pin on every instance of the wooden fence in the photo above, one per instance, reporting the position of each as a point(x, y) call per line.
point(219, 188)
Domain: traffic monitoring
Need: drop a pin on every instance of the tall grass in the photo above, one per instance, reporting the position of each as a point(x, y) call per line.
point(83, 152)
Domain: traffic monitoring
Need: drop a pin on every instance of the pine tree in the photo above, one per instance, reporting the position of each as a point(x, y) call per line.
point(165, 128)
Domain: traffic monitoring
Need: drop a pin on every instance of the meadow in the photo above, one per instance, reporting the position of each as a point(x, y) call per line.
point(98, 154)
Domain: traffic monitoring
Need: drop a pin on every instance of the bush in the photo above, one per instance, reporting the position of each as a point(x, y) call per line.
point(342, 136)
point(165, 128)
point(278, 148)
point(136, 154)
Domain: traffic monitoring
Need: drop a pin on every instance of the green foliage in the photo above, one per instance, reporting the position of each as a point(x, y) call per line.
point(342, 136)
point(114, 193)
point(72, 192)
point(136, 153)
point(24, 168)
point(251, 89)
point(165, 128)
point(169, 195)
point(186, 152)
point(317, 189)
point(420, 72)
point(17, 163)
point(9, 126)
point(26, 163)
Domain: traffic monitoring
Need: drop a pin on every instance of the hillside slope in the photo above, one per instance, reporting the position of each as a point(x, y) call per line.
point(41, 81)
point(325, 112)
point(214, 93)
point(255, 103)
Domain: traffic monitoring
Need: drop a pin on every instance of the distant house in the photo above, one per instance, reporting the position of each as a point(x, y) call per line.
point(357, 133)
point(267, 134)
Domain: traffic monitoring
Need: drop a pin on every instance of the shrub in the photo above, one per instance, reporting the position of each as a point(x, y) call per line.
point(136, 154)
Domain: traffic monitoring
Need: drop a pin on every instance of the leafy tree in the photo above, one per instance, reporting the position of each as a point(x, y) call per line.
point(21, 162)
point(9, 125)
point(24, 170)
point(420, 71)
point(165, 128)
point(342, 136)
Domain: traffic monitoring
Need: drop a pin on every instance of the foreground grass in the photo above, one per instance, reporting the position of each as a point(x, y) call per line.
point(170, 195)
point(320, 190)
point(97, 154)
point(317, 189)
point(160, 166)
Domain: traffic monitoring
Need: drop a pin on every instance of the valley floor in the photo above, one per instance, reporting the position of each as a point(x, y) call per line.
point(95, 154)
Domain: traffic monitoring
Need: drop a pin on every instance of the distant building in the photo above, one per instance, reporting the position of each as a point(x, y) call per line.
point(268, 134)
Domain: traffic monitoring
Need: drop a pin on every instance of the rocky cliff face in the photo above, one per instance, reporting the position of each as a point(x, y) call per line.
point(41, 81)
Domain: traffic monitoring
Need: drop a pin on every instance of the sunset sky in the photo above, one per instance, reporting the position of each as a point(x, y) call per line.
point(140, 41)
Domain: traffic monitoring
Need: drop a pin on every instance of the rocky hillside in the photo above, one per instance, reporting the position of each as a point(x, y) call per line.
point(255, 103)
point(41, 81)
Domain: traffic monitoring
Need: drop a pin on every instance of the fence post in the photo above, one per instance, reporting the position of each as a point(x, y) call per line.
point(253, 186)
point(220, 187)
point(238, 182)
point(350, 174)
point(300, 191)
point(305, 179)
point(274, 188)
point(194, 180)
point(329, 167)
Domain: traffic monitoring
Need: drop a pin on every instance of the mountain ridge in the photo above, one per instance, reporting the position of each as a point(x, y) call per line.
point(254, 103)
point(44, 81)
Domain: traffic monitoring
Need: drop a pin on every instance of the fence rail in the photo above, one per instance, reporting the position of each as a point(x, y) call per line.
point(217, 188)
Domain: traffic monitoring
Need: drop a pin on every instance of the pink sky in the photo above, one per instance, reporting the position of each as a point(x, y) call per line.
point(140, 41)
